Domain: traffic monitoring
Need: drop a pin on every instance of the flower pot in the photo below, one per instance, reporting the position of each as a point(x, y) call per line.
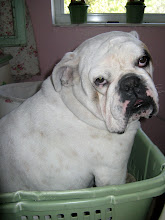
point(134, 13)
point(78, 13)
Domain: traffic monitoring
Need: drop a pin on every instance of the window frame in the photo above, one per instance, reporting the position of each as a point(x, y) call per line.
point(59, 18)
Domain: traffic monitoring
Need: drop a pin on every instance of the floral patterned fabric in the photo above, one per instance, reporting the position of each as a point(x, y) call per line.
point(6, 18)
point(25, 63)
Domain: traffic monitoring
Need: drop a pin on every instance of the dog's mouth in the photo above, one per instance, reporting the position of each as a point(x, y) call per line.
point(134, 100)
point(141, 108)
point(131, 110)
point(137, 109)
point(136, 97)
point(139, 103)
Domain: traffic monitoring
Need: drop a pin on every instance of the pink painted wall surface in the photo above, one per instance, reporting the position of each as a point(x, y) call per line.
point(53, 42)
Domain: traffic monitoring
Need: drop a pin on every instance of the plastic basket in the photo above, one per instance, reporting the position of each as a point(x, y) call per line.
point(13, 95)
point(125, 202)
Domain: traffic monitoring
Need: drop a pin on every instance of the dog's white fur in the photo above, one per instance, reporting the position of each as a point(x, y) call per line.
point(65, 136)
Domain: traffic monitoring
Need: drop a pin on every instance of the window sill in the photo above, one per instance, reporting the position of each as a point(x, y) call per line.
point(110, 24)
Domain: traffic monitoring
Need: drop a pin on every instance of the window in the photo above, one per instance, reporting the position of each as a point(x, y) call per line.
point(103, 11)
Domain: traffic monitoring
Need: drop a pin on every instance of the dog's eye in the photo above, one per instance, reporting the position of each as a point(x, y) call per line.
point(100, 81)
point(143, 61)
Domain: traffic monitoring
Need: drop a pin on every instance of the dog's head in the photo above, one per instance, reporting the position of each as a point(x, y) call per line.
point(111, 75)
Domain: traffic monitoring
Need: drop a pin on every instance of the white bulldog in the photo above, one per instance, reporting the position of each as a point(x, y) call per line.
point(78, 130)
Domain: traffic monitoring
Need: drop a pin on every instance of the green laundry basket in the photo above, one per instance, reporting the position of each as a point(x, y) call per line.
point(125, 202)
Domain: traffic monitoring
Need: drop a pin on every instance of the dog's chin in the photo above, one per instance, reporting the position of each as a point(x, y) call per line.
point(141, 109)
point(119, 127)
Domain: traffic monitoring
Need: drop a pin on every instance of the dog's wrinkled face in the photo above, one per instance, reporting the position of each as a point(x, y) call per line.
point(124, 85)
point(116, 79)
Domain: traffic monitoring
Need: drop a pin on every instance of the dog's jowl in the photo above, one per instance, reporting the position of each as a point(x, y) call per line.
point(78, 129)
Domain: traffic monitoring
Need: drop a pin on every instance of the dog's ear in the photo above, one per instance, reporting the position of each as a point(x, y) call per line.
point(135, 34)
point(62, 74)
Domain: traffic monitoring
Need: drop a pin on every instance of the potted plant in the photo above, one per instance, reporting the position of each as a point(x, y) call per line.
point(78, 11)
point(135, 11)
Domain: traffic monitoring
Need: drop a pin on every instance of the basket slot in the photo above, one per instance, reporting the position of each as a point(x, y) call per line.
point(87, 213)
point(60, 217)
point(109, 214)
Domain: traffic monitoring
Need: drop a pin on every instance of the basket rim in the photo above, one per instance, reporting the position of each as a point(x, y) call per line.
point(119, 193)
point(21, 85)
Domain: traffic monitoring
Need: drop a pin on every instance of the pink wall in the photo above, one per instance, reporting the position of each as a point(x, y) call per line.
point(53, 42)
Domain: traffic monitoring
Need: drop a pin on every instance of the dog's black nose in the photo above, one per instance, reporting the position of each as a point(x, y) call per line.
point(131, 86)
